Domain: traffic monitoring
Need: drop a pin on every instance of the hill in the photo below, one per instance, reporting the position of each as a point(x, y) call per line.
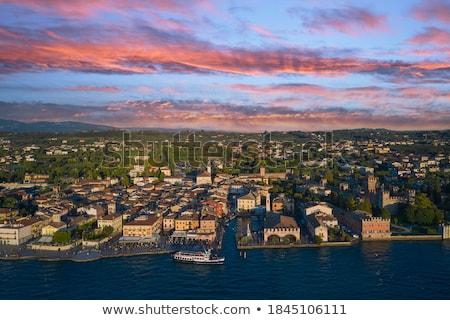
point(46, 126)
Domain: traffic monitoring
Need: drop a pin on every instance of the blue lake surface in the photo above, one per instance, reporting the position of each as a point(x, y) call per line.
point(371, 270)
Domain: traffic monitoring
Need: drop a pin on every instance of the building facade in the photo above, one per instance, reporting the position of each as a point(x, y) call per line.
point(187, 221)
point(142, 228)
point(249, 201)
point(365, 225)
point(280, 229)
point(111, 220)
point(204, 178)
point(316, 227)
point(169, 222)
point(207, 224)
point(52, 227)
point(17, 233)
point(444, 230)
point(311, 208)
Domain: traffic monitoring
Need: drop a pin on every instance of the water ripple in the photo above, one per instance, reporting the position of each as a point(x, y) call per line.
point(374, 270)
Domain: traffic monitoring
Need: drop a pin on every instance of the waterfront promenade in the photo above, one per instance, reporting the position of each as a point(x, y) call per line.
point(108, 250)
point(80, 254)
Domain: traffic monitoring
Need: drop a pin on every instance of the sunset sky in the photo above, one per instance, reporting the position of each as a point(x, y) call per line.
point(227, 65)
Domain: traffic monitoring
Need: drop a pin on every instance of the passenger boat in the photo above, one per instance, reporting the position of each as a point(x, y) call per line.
point(197, 257)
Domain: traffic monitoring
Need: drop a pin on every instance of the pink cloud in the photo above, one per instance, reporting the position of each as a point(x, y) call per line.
point(96, 89)
point(296, 95)
point(80, 115)
point(302, 89)
point(430, 10)
point(122, 50)
point(432, 35)
point(350, 20)
point(113, 108)
point(55, 36)
point(145, 89)
point(78, 9)
point(263, 32)
point(7, 35)
point(257, 119)
point(197, 115)
point(75, 8)
point(172, 91)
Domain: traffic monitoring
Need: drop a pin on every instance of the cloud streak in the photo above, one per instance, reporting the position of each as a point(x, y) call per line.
point(432, 35)
point(95, 89)
point(430, 10)
point(217, 65)
point(301, 93)
point(213, 115)
point(183, 54)
point(80, 9)
point(349, 20)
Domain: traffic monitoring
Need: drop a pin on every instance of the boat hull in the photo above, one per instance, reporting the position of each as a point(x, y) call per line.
point(199, 262)
point(197, 258)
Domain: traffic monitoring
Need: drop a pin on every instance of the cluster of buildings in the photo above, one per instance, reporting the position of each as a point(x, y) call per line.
point(183, 207)
point(186, 209)
point(180, 209)
point(56, 147)
point(320, 217)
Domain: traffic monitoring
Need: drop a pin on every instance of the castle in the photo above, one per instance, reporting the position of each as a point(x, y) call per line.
point(389, 199)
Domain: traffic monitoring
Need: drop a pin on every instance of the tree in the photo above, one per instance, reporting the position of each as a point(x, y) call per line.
point(318, 240)
point(126, 181)
point(329, 176)
point(108, 230)
point(423, 211)
point(274, 240)
point(356, 174)
point(10, 202)
point(161, 176)
point(365, 205)
point(350, 203)
point(276, 189)
point(243, 241)
point(334, 198)
point(298, 196)
point(385, 214)
point(61, 237)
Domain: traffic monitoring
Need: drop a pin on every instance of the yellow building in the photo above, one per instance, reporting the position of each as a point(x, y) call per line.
point(249, 201)
point(111, 220)
point(207, 224)
point(204, 178)
point(280, 229)
point(169, 222)
point(52, 227)
point(7, 213)
point(142, 228)
point(187, 221)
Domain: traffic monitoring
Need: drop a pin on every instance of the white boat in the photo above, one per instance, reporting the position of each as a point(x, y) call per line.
point(197, 257)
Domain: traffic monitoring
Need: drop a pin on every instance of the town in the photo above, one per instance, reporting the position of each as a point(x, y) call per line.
point(88, 195)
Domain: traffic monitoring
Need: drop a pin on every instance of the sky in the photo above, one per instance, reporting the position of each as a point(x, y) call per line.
point(245, 65)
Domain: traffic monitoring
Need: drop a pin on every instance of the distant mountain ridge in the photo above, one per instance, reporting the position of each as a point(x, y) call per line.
point(47, 126)
point(73, 126)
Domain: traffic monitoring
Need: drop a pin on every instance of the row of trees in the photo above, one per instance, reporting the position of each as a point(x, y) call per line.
point(423, 211)
point(84, 232)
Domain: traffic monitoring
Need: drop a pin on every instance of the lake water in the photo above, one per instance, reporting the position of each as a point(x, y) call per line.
point(371, 270)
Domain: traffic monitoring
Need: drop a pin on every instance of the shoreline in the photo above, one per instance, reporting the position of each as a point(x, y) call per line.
point(89, 255)
point(344, 243)
point(297, 246)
